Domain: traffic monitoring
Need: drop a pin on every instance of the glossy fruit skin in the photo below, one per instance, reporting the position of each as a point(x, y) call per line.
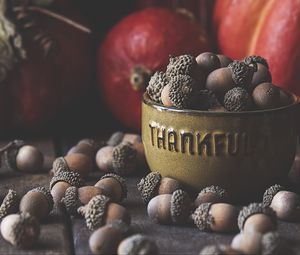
point(38, 87)
point(270, 31)
point(145, 38)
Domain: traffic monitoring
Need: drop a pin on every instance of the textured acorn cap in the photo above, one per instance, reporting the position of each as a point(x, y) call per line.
point(148, 185)
point(255, 208)
point(182, 91)
point(237, 100)
point(10, 154)
point(94, 211)
point(201, 217)
point(222, 193)
point(241, 73)
point(9, 204)
point(138, 244)
point(270, 193)
point(71, 201)
point(156, 84)
point(180, 206)
point(121, 180)
point(124, 158)
point(181, 65)
point(205, 99)
point(212, 250)
point(274, 244)
point(60, 165)
point(256, 59)
point(18, 231)
point(65, 176)
point(46, 192)
point(115, 139)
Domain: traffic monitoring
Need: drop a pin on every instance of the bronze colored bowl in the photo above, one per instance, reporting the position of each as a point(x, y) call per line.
point(243, 152)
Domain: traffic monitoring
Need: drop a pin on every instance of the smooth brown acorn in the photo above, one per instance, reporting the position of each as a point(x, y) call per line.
point(218, 217)
point(211, 194)
point(208, 62)
point(10, 203)
point(38, 202)
point(100, 211)
point(262, 74)
point(104, 158)
point(266, 96)
point(247, 242)
point(88, 147)
point(224, 60)
point(219, 249)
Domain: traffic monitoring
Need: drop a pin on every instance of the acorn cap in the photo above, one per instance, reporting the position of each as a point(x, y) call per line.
point(256, 59)
point(212, 250)
point(274, 244)
point(182, 91)
point(181, 65)
point(148, 185)
point(10, 154)
point(270, 193)
point(65, 176)
point(124, 158)
point(20, 228)
point(156, 84)
point(47, 194)
point(121, 180)
point(222, 193)
point(236, 100)
point(138, 244)
point(201, 216)
point(9, 204)
point(255, 208)
point(71, 201)
point(115, 139)
point(180, 206)
point(59, 165)
point(241, 73)
point(94, 211)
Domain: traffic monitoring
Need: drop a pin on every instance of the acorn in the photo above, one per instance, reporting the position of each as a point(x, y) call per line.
point(219, 249)
point(237, 100)
point(262, 74)
point(205, 99)
point(100, 211)
point(170, 208)
point(211, 194)
point(181, 65)
point(285, 203)
point(285, 98)
point(156, 84)
point(115, 139)
point(154, 184)
point(274, 244)
point(9, 204)
point(256, 59)
point(104, 158)
point(21, 230)
point(22, 157)
point(218, 217)
point(62, 181)
point(75, 162)
point(165, 96)
point(114, 186)
point(266, 96)
point(75, 197)
point(105, 240)
point(247, 242)
point(257, 217)
point(137, 244)
point(38, 202)
point(208, 62)
point(224, 60)
point(132, 138)
point(87, 147)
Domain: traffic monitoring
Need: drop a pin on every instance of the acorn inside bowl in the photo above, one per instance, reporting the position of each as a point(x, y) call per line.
point(243, 152)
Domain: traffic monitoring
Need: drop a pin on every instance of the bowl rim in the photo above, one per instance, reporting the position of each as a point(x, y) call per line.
point(146, 100)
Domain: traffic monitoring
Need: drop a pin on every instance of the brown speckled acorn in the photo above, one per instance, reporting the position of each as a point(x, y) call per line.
point(224, 60)
point(75, 162)
point(266, 96)
point(257, 217)
point(285, 203)
point(21, 230)
point(100, 211)
point(87, 147)
point(208, 62)
point(211, 194)
point(114, 186)
point(10, 203)
point(38, 202)
point(154, 184)
point(247, 243)
point(105, 240)
point(219, 249)
point(218, 217)
point(170, 208)
point(136, 245)
point(62, 181)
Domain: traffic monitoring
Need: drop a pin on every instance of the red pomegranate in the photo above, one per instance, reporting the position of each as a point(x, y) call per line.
point(137, 46)
point(45, 61)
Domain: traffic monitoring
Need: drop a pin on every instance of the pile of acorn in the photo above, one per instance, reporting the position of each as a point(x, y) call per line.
point(211, 210)
point(99, 204)
point(216, 83)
